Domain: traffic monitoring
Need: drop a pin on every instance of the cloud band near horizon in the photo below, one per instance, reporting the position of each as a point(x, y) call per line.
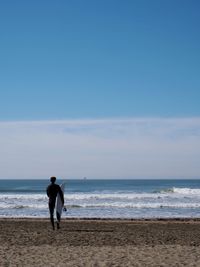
point(101, 148)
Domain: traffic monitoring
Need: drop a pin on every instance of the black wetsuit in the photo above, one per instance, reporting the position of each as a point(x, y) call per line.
point(52, 191)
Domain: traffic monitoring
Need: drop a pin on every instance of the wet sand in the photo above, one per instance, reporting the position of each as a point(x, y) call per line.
point(32, 242)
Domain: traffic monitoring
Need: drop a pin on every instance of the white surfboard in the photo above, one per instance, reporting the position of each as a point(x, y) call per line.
point(59, 204)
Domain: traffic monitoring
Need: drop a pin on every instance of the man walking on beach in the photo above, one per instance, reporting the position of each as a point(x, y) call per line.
point(52, 191)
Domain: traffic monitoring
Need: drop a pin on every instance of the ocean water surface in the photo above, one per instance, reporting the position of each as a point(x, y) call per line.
point(104, 198)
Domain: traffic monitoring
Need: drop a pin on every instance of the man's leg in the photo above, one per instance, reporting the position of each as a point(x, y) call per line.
point(51, 211)
point(58, 220)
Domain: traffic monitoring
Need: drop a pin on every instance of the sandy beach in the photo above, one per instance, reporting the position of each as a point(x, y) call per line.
point(32, 242)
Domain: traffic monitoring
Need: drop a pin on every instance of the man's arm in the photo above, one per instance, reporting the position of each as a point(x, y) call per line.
point(47, 190)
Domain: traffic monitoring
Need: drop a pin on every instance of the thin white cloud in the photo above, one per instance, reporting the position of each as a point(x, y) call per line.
point(104, 148)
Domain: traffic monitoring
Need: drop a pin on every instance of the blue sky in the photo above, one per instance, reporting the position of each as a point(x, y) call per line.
point(86, 59)
point(103, 89)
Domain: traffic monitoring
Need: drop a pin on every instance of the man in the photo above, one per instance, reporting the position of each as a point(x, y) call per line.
point(52, 191)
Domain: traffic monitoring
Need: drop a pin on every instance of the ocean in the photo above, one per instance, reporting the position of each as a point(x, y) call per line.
point(104, 198)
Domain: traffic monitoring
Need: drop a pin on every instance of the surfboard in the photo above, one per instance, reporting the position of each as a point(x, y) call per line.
point(59, 205)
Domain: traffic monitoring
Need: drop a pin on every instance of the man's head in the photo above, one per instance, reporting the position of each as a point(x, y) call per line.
point(53, 179)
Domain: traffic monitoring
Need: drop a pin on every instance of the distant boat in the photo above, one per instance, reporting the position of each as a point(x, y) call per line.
point(84, 178)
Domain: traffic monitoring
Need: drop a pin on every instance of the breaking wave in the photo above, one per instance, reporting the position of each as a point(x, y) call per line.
point(178, 190)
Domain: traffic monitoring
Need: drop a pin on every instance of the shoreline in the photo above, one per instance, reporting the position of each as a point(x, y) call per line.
point(100, 242)
point(186, 219)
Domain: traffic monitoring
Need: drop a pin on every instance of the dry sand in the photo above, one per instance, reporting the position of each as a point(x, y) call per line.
point(30, 242)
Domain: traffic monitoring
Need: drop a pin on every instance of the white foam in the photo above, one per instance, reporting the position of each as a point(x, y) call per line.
point(139, 205)
point(114, 196)
point(169, 202)
point(187, 191)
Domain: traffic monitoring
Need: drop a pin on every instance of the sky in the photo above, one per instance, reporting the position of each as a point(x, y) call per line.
point(102, 89)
